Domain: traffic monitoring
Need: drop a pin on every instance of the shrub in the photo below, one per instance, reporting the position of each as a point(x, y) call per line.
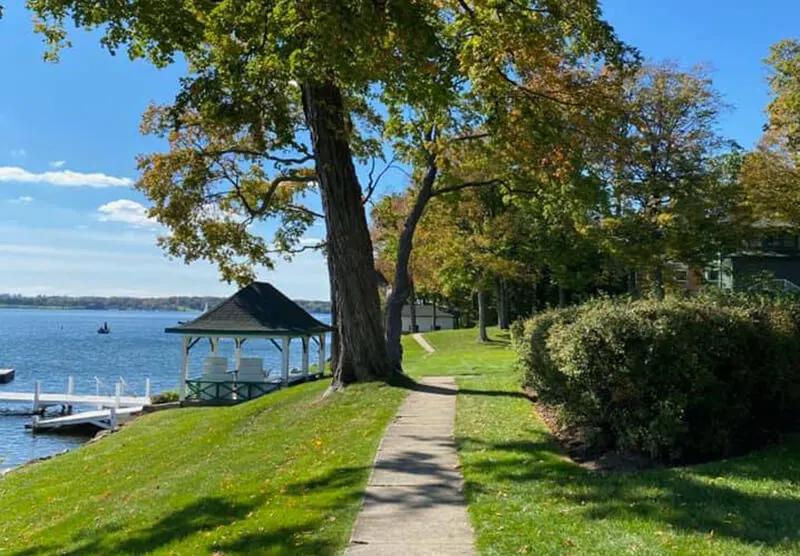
point(676, 380)
point(164, 397)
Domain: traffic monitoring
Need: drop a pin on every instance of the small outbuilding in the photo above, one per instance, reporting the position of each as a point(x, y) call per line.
point(258, 311)
point(428, 317)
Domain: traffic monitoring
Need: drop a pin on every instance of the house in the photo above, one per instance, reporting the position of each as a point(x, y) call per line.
point(428, 317)
point(774, 255)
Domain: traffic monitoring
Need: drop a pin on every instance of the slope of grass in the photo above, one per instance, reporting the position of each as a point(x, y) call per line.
point(457, 353)
point(281, 475)
point(525, 496)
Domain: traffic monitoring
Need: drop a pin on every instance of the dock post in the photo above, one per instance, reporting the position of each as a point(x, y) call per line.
point(70, 385)
point(117, 393)
point(37, 390)
point(113, 420)
point(147, 387)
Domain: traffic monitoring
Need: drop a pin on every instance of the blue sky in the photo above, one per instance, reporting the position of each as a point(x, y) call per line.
point(58, 123)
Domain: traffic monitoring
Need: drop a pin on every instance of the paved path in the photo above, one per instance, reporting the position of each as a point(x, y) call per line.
point(420, 339)
point(414, 504)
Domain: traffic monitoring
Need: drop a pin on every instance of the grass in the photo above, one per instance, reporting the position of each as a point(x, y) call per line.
point(281, 475)
point(285, 475)
point(525, 496)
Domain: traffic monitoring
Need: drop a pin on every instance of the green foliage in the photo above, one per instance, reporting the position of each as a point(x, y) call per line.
point(526, 497)
point(240, 150)
point(165, 397)
point(672, 196)
point(681, 380)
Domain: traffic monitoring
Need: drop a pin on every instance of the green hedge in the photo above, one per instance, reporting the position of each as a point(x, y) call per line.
point(678, 380)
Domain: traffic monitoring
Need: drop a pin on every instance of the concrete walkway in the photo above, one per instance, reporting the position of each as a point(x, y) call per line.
point(420, 339)
point(414, 504)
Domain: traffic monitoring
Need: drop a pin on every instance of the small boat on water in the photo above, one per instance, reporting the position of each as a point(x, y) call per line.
point(6, 375)
point(104, 329)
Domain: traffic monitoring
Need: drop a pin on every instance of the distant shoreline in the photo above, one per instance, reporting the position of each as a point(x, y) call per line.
point(86, 308)
point(181, 304)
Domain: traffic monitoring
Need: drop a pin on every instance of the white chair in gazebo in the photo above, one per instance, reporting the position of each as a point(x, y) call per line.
point(251, 369)
point(215, 369)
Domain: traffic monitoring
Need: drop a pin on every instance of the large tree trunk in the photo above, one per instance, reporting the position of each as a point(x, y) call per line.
point(632, 287)
point(402, 288)
point(658, 283)
point(335, 339)
point(502, 304)
point(562, 296)
point(482, 311)
point(361, 351)
point(412, 310)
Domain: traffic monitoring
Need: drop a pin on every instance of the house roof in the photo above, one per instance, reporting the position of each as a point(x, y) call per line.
point(426, 311)
point(257, 310)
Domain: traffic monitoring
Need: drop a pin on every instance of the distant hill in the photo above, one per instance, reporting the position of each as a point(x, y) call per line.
point(179, 303)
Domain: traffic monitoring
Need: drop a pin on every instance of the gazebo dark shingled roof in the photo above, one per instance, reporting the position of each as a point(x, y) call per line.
point(257, 310)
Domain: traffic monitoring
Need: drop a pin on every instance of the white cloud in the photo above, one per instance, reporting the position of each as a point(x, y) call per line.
point(18, 153)
point(62, 178)
point(58, 164)
point(24, 200)
point(311, 241)
point(125, 211)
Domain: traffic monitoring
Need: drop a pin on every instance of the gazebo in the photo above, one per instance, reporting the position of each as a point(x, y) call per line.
point(258, 311)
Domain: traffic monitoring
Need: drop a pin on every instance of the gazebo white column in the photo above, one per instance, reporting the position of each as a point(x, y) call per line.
point(321, 364)
point(184, 367)
point(237, 356)
point(215, 347)
point(306, 342)
point(285, 361)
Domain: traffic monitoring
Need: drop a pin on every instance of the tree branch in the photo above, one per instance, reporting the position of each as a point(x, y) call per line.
point(466, 185)
point(373, 183)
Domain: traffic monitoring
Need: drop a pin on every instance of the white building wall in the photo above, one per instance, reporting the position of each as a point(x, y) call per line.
point(425, 324)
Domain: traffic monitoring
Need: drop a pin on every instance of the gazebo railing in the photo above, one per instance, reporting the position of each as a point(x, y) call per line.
point(213, 391)
point(207, 390)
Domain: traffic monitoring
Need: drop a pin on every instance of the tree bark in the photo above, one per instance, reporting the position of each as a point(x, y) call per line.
point(362, 352)
point(412, 310)
point(562, 296)
point(658, 283)
point(434, 313)
point(402, 288)
point(334, 317)
point(632, 289)
point(482, 310)
point(502, 304)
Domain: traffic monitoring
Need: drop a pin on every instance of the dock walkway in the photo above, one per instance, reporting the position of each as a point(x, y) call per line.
point(46, 399)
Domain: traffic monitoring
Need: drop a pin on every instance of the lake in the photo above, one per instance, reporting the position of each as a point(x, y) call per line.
point(50, 345)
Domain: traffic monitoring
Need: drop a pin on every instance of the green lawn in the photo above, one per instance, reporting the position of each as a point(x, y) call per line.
point(285, 475)
point(525, 497)
point(281, 475)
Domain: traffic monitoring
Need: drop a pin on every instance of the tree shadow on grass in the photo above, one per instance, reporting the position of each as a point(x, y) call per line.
point(449, 391)
point(207, 515)
point(692, 500)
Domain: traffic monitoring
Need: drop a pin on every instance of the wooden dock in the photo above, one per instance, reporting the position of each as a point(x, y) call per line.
point(40, 401)
point(106, 419)
point(49, 400)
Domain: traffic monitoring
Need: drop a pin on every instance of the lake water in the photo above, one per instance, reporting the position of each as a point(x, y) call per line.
point(51, 345)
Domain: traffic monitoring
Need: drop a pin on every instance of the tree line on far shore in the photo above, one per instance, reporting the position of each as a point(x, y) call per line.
point(174, 303)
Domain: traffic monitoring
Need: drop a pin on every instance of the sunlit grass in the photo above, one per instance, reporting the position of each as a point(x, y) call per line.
point(525, 496)
point(281, 475)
